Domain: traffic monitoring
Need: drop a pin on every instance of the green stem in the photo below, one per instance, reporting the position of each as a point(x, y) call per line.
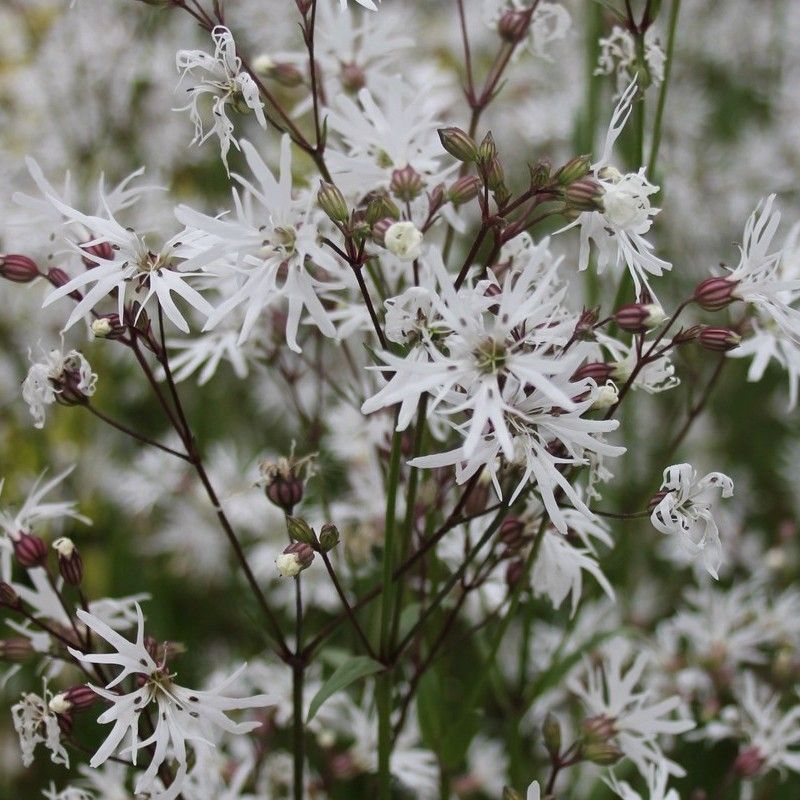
point(662, 96)
point(298, 679)
point(384, 680)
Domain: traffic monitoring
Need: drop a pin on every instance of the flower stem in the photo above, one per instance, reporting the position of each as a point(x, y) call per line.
point(298, 679)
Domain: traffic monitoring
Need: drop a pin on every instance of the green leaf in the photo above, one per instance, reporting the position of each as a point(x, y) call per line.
point(352, 670)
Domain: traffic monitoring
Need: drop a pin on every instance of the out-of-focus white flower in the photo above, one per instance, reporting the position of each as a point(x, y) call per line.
point(627, 713)
point(70, 793)
point(534, 792)
point(365, 3)
point(224, 79)
point(657, 777)
point(404, 240)
point(184, 715)
point(36, 724)
point(549, 23)
point(618, 56)
point(57, 378)
point(685, 510)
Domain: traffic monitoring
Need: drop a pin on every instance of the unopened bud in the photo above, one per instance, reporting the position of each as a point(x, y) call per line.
point(487, 151)
point(18, 269)
point(540, 173)
point(749, 763)
point(78, 698)
point(436, 198)
point(381, 206)
point(94, 253)
point(575, 169)
point(514, 572)
point(514, 25)
point(598, 370)
point(551, 733)
point(282, 485)
point(603, 754)
point(606, 396)
point(353, 78)
point(719, 340)
point(70, 563)
point(332, 202)
point(294, 559)
point(459, 144)
point(512, 532)
point(406, 183)
point(585, 194)
point(300, 530)
point(285, 74)
point(404, 240)
point(639, 317)
point(59, 277)
point(511, 794)
point(8, 596)
point(16, 651)
point(714, 294)
point(328, 537)
point(108, 327)
point(599, 728)
point(464, 190)
point(379, 230)
point(30, 551)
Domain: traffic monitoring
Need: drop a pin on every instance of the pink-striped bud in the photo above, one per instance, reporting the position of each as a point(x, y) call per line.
point(749, 763)
point(714, 294)
point(100, 251)
point(639, 317)
point(30, 551)
point(70, 563)
point(8, 596)
point(353, 78)
point(514, 572)
point(585, 194)
point(459, 144)
point(598, 370)
point(406, 183)
point(514, 25)
point(78, 698)
point(16, 651)
point(59, 277)
point(719, 340)
point(18, 269)
point(464, 190)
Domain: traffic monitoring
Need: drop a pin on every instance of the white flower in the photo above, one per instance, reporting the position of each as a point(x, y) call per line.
point(70, 793)
point(618, 56)
point(131, 264)
point(57, 378)
point(36, 724)
point(228, 84)
point(686, 510)
point(269, 253)
point(404, 240)
point(182, 714)
point(657, 777)
point(632, 719)
point(618, 230)
point(534, 792)
point(365, 3)
point(549, 23)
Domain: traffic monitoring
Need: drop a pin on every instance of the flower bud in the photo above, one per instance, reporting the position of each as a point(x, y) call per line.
point(487, 151)
point(59, 277)
point(540, 173)
point(285, 74)
point(328, 537)
point(585, 194)
point(18, 269)
point(97, 251)
point(108, 327)
point(459, 144)
point(300, 530)
point(514, 572)
point(404, 240)
point(353, 78)
point(78, 698)
point(639, 317)
point(464, 190)
point(714, 294)
point(381, 206)
point(603, 754)
point(16, 651)
point(512, 532)
point(436, 198)
point(332, 202)
point(8, 596)
point(749, 762)
point(30, 551)
point(551, 733)
point(598, 370)
point(70, 563)
point(719, 340)
point(584, 328)
point(379, 230)
point(511, 794)
point(513, 25)
point(294, 559)
point(599, 728)
point(282, 484)
point(606, 396)
point(575, 169)
point(406, 183)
